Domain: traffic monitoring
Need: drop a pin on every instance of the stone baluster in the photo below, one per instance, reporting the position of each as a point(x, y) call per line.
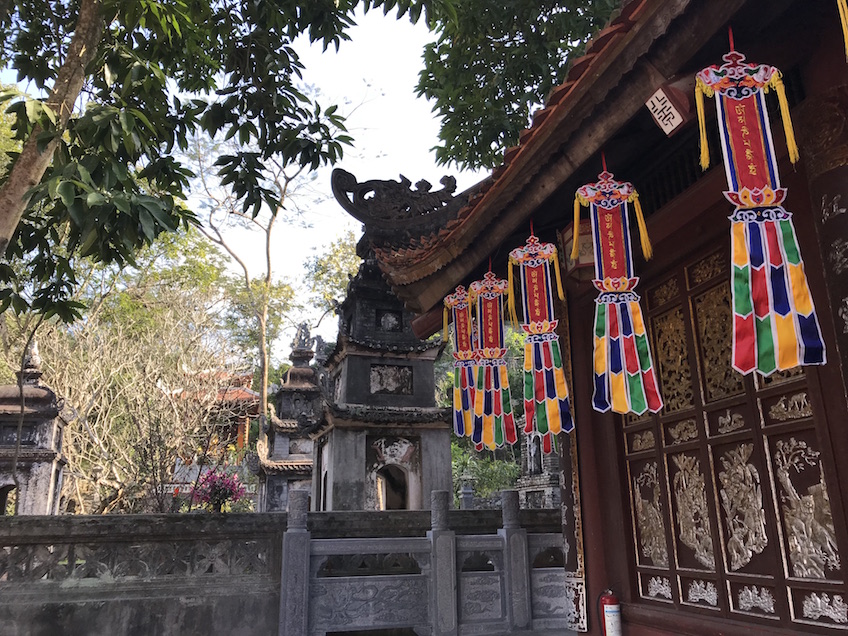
point(294, 584)
point(443, 569)
point(516, 563)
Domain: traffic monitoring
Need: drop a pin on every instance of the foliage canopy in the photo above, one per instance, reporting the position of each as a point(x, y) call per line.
point(494, 63)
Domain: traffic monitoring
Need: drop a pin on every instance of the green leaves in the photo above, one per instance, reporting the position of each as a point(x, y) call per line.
point(494, 63)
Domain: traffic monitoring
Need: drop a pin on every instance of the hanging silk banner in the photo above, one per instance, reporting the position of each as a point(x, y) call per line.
point(493, 418)
point(625, 379)
point(546, 408)
point(458, 313)
point(774, 321)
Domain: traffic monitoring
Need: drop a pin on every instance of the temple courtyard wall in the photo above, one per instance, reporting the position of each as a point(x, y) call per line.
point(293, 574)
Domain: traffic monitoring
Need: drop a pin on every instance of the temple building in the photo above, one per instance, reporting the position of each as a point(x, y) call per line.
point(724, 511)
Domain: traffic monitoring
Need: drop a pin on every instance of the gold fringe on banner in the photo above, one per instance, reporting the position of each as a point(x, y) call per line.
point(700, 91)
point(777, 84)
point(647, 250)
point(576, 229)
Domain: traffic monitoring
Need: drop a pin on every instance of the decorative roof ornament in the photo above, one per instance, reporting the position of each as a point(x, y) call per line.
point(393, 212)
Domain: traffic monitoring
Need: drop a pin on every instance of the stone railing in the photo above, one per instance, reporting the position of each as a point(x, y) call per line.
point(440, 572)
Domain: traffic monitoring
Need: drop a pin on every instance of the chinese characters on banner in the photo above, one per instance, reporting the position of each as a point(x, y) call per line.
point(774, 321)
point(625, 379)
point(458, 313)
point(493, 418)
point(546, 408)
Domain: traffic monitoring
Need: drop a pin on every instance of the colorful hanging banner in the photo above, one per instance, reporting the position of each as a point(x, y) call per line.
point(625, 379)
point(546, 408)
point(493, 419)
point(775, 326)
point(458, 313)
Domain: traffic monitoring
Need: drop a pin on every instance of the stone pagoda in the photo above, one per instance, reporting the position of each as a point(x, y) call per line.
point(284, 450)
point(383, 444)
point(39, 455)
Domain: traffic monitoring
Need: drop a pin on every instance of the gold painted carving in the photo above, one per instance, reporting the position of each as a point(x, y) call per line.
point(665, 292)
point(753, 597)
point(707, 269)
point(684, 431)
point(659, 587)
point(730, 422)
point(816, 606)
point(712, 309)
point(649, 516)
point(791, 408)
point(778, 377)
point(742, 500)
point(807, 519)
point(643, 441)
point(692, 512)
point(675, 374)
point(702, 591)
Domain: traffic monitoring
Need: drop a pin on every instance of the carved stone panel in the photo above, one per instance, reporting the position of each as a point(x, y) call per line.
point(675, 374)
point(810, 538)
point(741, 496)
point(691, 513)
point(391, 379)
point(481, 597)
point(338, 604)
point(713, 321)
point(649, 516)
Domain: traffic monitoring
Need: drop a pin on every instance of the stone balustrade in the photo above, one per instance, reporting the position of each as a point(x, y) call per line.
point(433, 572)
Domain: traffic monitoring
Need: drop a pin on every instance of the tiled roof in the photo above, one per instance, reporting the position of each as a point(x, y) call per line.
point(611, 55)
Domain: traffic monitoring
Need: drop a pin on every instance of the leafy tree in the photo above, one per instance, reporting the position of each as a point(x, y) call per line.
point(126, 83)
point(141, 374)
point(497, 61)
point(328, 274)
point(487, 472)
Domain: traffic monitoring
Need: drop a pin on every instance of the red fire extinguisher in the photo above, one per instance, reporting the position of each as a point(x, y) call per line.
point(609, 613)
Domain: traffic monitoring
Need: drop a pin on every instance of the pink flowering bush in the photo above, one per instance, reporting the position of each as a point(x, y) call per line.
point(214, 489)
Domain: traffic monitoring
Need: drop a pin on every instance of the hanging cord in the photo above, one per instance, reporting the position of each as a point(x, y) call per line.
point(575, 229)
point(445, 324)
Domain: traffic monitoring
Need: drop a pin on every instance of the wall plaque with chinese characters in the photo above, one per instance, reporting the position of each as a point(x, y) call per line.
point(665, 111)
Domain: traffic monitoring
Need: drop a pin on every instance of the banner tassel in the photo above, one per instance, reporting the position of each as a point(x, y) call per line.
point(445, 324)
point(575, 247)
point(700, 90)
point(510, 298)
point(558, 278)
point(644, 239)
point(777, 83)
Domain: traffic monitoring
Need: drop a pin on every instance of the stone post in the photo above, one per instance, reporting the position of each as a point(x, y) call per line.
point(294, 583)
point(443, 609)
point(516, 563)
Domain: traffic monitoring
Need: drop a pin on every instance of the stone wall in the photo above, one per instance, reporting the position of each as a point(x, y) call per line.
point(441, 572)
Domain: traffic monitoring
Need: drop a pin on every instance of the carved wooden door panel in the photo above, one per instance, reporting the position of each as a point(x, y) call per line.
point(730, 506)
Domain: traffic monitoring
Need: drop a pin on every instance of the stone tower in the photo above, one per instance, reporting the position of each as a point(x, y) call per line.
point(40, 461)
point(383, 443)
point(284, 451)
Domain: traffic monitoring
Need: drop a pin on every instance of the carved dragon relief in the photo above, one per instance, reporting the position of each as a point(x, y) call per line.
point(742, 500)
point(392, 211)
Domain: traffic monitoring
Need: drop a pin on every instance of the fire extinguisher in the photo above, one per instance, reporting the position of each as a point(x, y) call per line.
point(609, 613)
